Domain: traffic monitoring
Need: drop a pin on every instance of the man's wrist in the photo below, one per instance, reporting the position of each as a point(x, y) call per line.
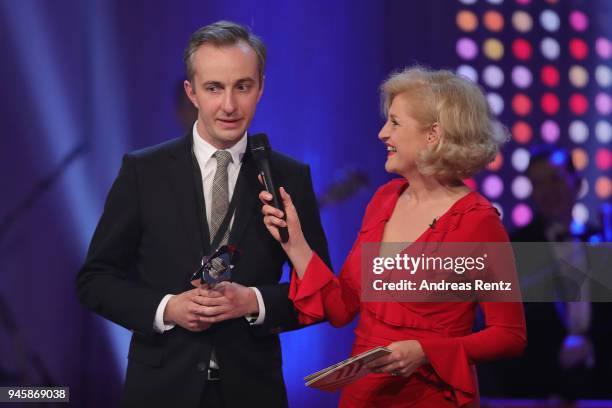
point(259, 314)
point(167, 312)
point(160, 323)
point(253, 310)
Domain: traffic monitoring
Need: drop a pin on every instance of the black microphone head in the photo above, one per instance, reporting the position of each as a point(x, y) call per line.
point(259, 142)
point(260, 146)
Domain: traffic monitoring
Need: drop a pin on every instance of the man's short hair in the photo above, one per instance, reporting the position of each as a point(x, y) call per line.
point(224, 33)
point(556, 156)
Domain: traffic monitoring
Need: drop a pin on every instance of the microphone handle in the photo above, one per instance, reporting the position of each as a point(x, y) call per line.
point(276, 202)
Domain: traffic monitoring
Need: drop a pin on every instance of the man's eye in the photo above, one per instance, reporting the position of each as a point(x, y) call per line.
point(212, 88)
point(243, 88)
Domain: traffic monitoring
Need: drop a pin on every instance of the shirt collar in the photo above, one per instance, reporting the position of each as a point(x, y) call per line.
point(205, 150)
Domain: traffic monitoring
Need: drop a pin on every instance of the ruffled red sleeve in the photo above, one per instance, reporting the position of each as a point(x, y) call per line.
point(306, 294)
point(451, 357)
point(320, 295)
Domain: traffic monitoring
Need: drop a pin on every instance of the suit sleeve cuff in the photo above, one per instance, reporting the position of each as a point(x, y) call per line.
point(158, 323)
point(257, 320)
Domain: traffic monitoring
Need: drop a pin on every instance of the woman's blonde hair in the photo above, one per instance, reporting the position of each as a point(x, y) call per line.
point(469, 131)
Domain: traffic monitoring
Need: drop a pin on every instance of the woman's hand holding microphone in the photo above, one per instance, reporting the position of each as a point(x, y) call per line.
point(297, 249)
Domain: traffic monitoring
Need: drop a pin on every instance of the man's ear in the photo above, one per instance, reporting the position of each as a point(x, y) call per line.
point(190, 92)
point(261, 87)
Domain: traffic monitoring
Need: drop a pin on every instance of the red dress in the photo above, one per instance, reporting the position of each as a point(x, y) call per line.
point(444, 330)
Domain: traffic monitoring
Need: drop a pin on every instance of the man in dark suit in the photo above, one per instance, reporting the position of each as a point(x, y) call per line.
point(568, 354)
point(195, 346)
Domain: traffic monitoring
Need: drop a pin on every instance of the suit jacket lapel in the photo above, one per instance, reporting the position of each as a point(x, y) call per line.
point(246, 193)
point(189, 198)
point(186, 182)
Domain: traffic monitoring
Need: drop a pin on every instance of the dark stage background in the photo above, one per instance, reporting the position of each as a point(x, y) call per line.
point(83, 82)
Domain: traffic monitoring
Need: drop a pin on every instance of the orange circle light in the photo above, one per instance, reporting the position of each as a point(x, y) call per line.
point(578, 76)
point(603, 187)
point(493, 21)
point(580, 159)
point(467, 21)
point(497, 162)
point(521, 132)
point(522, 21)
point(493, 49)
point(521, 104)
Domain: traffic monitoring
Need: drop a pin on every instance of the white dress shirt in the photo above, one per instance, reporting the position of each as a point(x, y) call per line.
point(577, 316)
point(208, 165)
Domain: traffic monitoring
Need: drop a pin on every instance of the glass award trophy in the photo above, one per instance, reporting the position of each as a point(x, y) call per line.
point(217, 267)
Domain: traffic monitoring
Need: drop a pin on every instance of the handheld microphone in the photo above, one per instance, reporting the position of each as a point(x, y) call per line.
point(260, 148)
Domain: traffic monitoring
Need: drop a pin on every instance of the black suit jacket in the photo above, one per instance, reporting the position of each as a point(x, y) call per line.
point(148, 243)
point(537, 373)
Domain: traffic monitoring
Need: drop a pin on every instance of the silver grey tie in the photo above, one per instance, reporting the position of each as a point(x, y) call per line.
point(220, 195)
point(220, 203)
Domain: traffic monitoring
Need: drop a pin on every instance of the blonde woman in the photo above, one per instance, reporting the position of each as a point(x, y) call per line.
point(439, 131)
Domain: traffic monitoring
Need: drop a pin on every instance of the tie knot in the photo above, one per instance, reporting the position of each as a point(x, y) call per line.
point(223, 158)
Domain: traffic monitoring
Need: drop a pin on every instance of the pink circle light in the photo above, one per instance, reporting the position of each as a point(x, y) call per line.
point(549, 103)
point(493, 186)
point(467, 48)
point(521, 76)
point(603, 103)
point(521, 215)
point(521, 187)
point(578, 48)
point(603, 47)
point(471, 183)
point(578, 104)
point(550, 131)
point(578, 20)
point(603, 159)
point(550, 76)
point(521, 49)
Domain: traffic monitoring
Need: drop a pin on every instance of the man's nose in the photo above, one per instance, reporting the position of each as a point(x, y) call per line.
point(229, 104)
